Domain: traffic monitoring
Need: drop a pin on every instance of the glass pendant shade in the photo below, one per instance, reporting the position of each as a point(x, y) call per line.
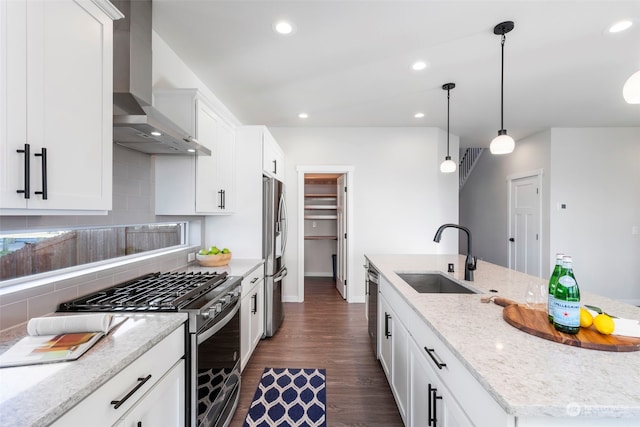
point(502, 144)
point(448, 165)
point(631, 89)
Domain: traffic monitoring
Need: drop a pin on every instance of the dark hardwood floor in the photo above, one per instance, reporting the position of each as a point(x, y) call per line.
point(327, 332)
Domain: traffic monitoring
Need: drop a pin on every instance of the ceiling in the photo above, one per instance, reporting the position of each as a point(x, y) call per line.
point(348, 63)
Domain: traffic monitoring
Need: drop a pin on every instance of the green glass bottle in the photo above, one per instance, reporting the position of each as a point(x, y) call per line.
point(566, 304)
point(552, 284)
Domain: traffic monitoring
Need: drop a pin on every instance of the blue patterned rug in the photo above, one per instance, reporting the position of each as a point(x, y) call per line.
point(288, 398)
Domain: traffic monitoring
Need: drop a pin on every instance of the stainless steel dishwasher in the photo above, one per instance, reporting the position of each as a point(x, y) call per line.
point(372, 286)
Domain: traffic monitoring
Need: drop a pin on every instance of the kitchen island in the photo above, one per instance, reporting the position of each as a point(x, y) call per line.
point(37, 395)
point(534, 381)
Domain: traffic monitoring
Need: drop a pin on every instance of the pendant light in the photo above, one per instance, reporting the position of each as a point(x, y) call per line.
point(631, 89)
point(448, 165)
point(503, 143)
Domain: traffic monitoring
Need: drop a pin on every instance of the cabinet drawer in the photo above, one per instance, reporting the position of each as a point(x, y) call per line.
point(153, 364)
point(252, 280)
point(476, 402)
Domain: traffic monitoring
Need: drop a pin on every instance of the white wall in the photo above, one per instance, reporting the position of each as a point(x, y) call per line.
point(484, 199)
point(400, 197)
point(596, 173)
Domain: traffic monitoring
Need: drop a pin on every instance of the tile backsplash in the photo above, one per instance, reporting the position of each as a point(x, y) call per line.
point(18, 304)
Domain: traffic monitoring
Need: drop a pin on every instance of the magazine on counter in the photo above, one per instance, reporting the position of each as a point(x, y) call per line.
point(59, 338)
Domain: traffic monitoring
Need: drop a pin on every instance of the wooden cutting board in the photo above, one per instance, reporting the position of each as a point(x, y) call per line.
point(537, 323)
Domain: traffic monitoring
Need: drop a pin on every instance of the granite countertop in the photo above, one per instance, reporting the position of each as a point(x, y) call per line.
point(36, 395)
point(236, 267)
point(527, 375)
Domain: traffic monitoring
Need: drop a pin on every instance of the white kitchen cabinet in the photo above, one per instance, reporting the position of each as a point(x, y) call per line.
point(431, 403)
point(150, 383)
point(393, 354)
point(198, 184)
point(251, 313)
point(272, 157)
point(56, 106)
point(425, 360)
point(158, 406)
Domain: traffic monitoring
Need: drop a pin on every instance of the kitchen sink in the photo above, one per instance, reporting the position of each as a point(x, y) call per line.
point(434, 283)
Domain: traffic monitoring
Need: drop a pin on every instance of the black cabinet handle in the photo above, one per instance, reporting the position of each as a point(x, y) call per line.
point(432, 406)
point(220, 205)
point(43, 154)
point(27, 172)
point(254, 280)
point(431, 352)
point(141, 381)
point(275, 166)
point(387, 332)
point(511, 239)
point(254, 303)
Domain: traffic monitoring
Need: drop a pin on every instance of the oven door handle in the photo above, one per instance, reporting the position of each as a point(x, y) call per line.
point(218, 325)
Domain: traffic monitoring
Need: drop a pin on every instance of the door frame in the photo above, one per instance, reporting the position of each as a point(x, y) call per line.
point(348, 172)
point(536, 173)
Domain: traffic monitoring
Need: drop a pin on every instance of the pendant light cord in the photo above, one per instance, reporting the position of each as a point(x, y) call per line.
point(502, 85)
point(448, 93)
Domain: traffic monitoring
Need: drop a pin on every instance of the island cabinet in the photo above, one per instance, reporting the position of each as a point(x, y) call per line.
point(150, 391)
point(198, 184)
point(430, 385)
point(251, 313)
point(56, 107)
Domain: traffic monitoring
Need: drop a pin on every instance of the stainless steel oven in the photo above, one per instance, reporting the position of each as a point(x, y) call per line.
point(212, 302)
point(216, 368)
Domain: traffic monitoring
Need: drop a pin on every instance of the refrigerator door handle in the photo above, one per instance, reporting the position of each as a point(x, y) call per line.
point(282, 275)
point(282, 221)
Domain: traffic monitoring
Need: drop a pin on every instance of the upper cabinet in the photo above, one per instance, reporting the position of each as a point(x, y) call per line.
point(272, 157)
point(56, 67)
point(196, 185)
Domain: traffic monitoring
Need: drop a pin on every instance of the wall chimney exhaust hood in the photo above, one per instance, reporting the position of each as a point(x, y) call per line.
point(136, 123)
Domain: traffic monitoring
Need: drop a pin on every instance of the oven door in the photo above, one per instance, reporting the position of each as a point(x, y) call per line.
point(218, 368)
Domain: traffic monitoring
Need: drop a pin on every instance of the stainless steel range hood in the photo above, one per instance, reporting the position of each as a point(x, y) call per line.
point(136, 123)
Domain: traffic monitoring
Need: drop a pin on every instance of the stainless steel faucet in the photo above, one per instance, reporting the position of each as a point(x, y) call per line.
point(471, 261)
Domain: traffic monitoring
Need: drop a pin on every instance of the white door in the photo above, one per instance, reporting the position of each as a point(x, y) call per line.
point(524, 224)
point(341, 226)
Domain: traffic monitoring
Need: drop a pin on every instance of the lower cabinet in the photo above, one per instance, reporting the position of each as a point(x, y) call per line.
point(158, 406)
point(251, 314)
point(431, 402)
point(148, 392)
point(393, 355)
point(430, 385)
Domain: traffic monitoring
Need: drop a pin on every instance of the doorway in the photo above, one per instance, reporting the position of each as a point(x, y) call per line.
point(324, 238)
point(525, 222)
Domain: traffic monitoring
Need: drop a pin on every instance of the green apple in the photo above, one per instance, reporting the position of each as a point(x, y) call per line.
point(213, 250)
point(226, 251)
point(203, 252)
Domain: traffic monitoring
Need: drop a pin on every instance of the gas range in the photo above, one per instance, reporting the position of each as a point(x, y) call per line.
point(202, 295)
point(212, 302)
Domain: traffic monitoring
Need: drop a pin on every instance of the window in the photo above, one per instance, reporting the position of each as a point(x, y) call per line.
point(26, 253)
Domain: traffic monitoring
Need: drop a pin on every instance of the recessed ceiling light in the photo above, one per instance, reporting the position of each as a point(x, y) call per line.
point(191, 150)
point(418, 115)
point(155, 133)
point(620, 26)
point(419, 65)
point(283, 27)
point(303, 115)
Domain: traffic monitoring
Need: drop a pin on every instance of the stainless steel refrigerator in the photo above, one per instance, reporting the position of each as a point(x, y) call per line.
point(274, 242)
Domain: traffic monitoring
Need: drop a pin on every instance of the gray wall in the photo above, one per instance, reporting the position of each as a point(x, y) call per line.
point(596, 173)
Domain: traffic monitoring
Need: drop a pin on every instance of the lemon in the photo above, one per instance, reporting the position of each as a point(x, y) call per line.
point(604, 324)
point(586, 319)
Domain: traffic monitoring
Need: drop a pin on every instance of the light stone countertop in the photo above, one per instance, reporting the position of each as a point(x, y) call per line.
point(36, 395)
point(527, 375)
point(236, 267)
